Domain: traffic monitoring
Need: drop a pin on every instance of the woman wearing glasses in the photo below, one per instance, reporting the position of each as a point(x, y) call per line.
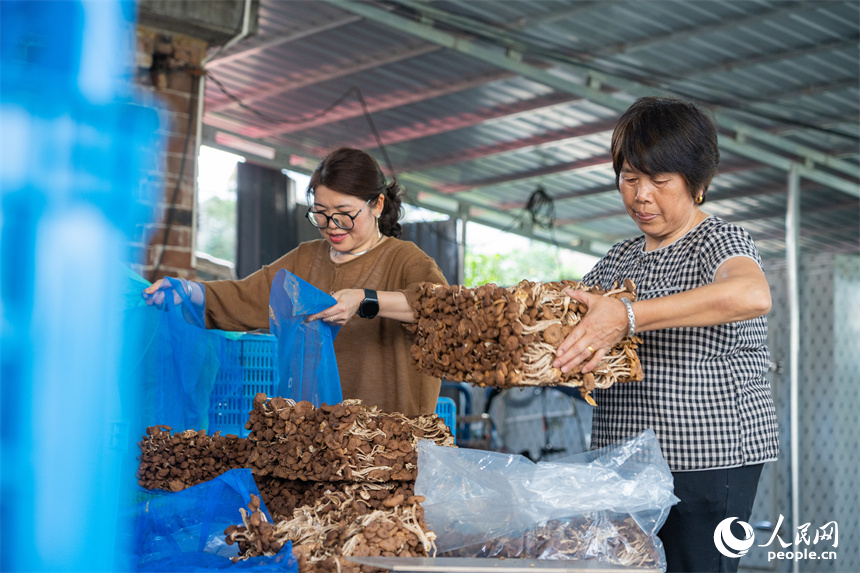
point(368, 270)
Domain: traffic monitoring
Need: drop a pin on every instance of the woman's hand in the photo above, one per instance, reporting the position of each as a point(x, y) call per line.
point(154, 293)
point(345, 308)
point(602, 327)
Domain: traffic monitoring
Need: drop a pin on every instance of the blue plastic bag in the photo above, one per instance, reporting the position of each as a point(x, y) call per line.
point(177, 360)
point(184, 531)
point(308, 368)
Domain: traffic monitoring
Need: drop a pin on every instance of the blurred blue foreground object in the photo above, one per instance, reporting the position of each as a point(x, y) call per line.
point(75, 178)
point(308, 368)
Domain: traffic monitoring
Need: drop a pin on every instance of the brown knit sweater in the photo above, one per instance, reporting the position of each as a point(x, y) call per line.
point(373, 356)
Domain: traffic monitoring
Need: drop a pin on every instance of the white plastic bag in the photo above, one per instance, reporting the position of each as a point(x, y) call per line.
point(606, 504)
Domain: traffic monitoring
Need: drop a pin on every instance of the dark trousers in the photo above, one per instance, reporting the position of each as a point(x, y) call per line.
point(707, 498)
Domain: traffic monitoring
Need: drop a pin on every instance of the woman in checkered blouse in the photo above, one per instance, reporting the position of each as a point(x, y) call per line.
point(700, 311)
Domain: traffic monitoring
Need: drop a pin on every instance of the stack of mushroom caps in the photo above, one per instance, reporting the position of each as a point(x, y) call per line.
point(507, 337)
point(339, 481)
point(175, 462)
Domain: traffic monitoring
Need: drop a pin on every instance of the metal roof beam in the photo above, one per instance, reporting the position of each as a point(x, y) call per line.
point(493, 56)
point(396, 99)
point(493, 217)
point(732, 65)
point(592, 93)
point(699, 31)
point(286, 85)
point(563, 13)
point(299, 159)
point(437, 126)
point(810, 231)
point(581, 165)
point(733, 146)
point(541, 141)
point(734, 167)
point(849, 204)
point(716, 198)
point(267, 43)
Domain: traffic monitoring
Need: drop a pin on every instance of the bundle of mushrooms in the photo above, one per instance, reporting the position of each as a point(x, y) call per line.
point(339, 481)
point(343, 442)
point(175, 462)
point(350, 519)
point(507, 337)
point(283, 497)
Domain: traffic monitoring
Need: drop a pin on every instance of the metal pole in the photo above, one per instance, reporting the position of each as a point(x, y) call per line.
point(198, 125)
point(198, 142)
point(792, 234)
point(462, 223)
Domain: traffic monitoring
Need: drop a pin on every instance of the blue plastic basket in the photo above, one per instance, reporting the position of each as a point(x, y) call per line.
point(447, 410)
point(251, 366)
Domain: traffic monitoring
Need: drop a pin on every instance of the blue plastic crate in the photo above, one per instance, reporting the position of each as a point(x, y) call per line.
point(447, 410)
point(251, 366)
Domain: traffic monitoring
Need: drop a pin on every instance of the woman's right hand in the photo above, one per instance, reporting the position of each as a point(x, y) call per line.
point(602, 327)
point(154, 293)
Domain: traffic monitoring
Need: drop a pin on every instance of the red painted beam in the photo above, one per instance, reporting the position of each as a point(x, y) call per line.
point(557, 137)
point(713, 196)
point(382, 103)
point(460, 121)
point(285, 85)
point(732, 168)
point(263, 43)
point(579, 165)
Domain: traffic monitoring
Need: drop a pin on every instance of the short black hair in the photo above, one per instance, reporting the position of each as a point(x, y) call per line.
point(667, 135)
point(354, 172)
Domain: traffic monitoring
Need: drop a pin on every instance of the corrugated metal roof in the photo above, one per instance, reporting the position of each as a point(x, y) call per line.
point(469, 131)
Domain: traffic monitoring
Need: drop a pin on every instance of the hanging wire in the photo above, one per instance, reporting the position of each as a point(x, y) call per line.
point(540, 207)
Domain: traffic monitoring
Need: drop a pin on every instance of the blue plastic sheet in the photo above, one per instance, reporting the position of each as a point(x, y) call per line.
point(308, 368)
point(184, 531)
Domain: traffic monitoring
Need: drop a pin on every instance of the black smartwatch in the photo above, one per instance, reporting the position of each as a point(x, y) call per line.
point(369, 307)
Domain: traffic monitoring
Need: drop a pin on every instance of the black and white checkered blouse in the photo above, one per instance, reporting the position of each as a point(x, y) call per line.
point(705, 393)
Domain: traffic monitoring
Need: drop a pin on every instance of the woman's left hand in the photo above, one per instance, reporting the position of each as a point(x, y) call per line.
point(602, 327)
point(345, 308)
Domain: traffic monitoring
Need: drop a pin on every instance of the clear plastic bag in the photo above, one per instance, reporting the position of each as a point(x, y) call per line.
point(606, 504)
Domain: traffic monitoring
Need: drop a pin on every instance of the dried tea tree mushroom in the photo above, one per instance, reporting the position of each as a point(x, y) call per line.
point(341, 523)
point(345, 442)
point(175, 462)
point(507, 337)
point(612, 538)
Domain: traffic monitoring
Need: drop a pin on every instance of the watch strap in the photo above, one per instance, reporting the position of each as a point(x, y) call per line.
point(371, 299)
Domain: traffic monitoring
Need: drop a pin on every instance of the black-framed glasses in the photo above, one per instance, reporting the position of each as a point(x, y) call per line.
point(343, 221)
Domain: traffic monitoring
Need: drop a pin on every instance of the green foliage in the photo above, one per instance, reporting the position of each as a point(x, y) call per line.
point(217, 224)
point(538, 263)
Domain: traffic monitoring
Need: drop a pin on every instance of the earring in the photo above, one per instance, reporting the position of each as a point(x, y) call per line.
point(700, 199)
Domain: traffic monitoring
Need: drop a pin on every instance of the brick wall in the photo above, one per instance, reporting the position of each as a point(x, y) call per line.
point(168, 67)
